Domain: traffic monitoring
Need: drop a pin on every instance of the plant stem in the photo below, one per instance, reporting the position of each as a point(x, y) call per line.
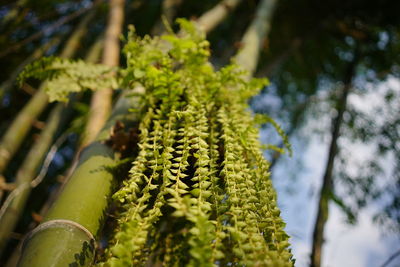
point(168, 11)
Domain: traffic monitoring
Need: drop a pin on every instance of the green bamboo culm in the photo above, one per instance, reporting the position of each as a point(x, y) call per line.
point(199, 192)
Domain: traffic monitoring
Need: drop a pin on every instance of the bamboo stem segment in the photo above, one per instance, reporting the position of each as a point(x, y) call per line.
point(254, 36)
point(75, 236)
point(100, 105)
point(83, 201)
point(212, 18)
point(92, 56)
point(25, 175)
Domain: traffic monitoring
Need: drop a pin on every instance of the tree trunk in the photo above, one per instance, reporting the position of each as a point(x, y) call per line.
point(101, 100)
point(327, 184)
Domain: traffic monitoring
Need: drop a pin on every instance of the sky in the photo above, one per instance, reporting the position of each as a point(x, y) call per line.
point(362, 245)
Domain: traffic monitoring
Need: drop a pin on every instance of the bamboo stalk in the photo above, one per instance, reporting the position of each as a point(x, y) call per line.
point(248, 55)
point(100, 105)
point(78, 213)
point(19, 128)
point(92, 57)
point(10, 213)
point(212, 18)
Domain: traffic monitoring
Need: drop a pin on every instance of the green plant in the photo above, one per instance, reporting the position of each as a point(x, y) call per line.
point(199, 192)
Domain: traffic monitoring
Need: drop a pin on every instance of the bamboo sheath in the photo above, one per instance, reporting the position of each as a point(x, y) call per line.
point(84, 199)
point(20, 127)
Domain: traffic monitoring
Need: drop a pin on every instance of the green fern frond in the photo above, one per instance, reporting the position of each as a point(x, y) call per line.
point(65, 76)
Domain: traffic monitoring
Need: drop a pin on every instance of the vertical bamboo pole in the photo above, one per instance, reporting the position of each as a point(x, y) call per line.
point(78, 213)
point(101, 100)
point(10, 214)
point(254, 36)
point(93, 56)
point(209, 20)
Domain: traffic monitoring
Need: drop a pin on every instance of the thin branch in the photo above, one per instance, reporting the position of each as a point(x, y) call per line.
point(38, 179)
point(168, 11)
point(392, 257)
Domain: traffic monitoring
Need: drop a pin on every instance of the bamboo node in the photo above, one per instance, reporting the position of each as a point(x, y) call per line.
point(58, 223)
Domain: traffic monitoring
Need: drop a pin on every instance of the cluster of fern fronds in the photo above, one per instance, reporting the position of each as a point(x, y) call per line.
point(199, 192)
